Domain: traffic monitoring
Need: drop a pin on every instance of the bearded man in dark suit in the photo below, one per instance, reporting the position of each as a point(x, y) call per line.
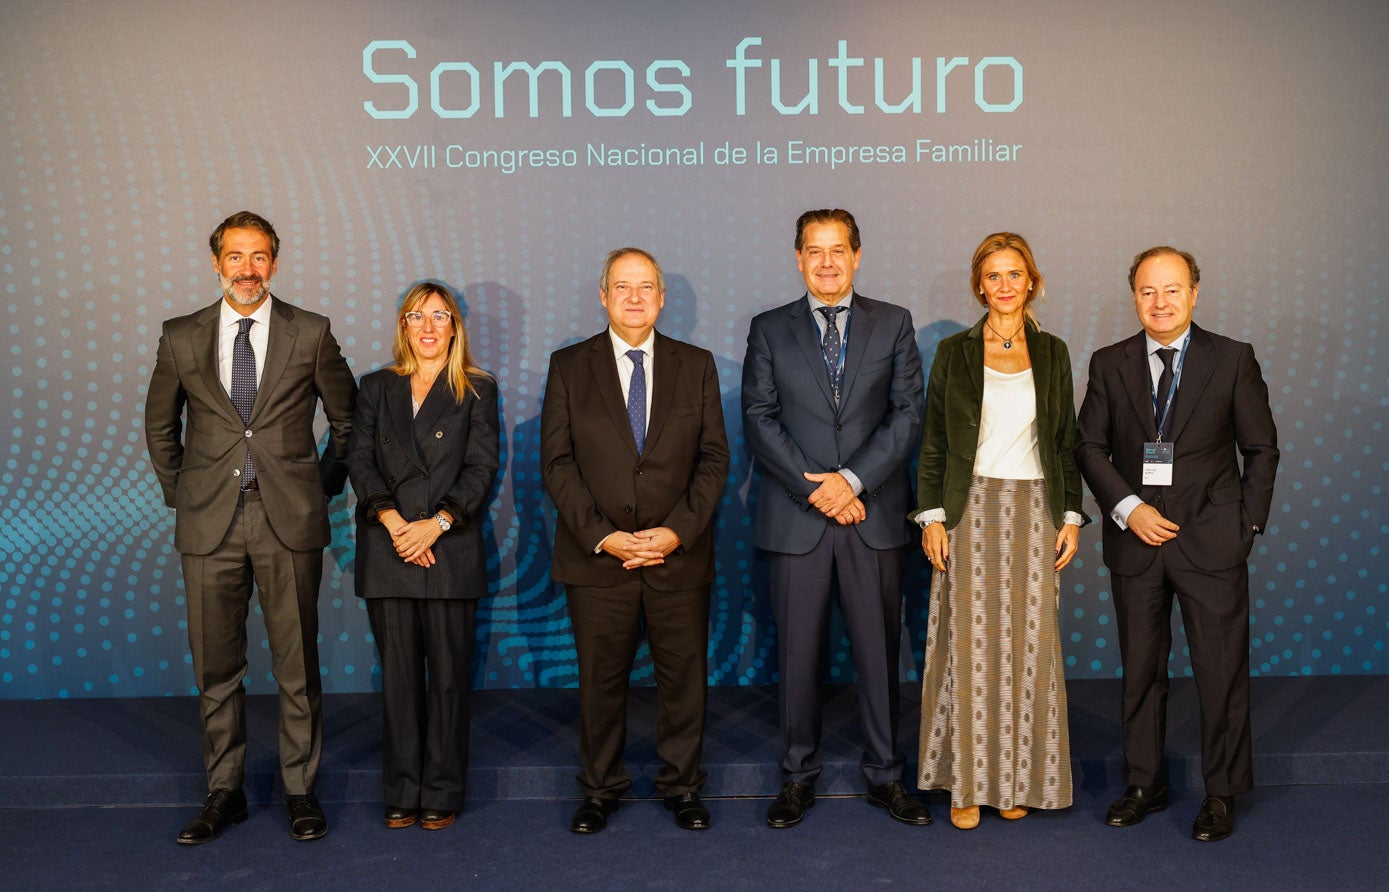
point(229, 421)
point(634, 456)
point(1167, 416)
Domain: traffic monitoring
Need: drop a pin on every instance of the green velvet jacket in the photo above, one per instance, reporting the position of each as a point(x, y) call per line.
point(954, 401)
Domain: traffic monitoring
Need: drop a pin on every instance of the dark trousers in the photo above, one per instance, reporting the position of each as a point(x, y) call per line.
point(426, 649)
point(1215, 612)
point(219, 588)
point(870, 596)
point(607, 629)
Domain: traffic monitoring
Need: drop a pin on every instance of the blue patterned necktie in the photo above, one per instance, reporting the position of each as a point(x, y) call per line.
point(636, 399)
point(831, 345)
point(243, 388)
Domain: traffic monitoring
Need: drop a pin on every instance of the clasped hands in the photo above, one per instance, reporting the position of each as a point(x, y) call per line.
point(413, 540)
point(1149, 525)
point(835, 498)
point(644, 548)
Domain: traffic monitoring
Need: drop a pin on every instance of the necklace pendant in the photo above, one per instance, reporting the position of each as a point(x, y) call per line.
point(1008, 344)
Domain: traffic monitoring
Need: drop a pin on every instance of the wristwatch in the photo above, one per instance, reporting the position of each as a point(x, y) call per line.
point(442, 522)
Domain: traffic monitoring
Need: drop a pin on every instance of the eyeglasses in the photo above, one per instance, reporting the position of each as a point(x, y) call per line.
point(440, 318)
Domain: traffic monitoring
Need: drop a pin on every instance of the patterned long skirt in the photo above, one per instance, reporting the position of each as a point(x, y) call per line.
point(993, 691)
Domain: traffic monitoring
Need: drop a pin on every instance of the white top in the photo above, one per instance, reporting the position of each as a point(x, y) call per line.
point(227, 327)
point(1008, 427)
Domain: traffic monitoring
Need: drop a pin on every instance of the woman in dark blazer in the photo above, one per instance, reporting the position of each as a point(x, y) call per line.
point(422, 456)
point(998, 500)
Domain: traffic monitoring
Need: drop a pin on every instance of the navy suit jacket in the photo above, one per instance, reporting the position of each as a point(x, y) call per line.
point(1220, 413)
point(792, 424)
point(444, 457)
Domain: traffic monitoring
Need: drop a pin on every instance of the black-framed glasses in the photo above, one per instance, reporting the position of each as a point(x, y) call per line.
point(440, 318)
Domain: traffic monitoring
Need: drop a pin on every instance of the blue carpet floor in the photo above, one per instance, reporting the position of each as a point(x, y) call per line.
point(1304, 837)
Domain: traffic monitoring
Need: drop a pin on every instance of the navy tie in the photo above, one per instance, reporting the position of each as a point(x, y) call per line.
point(831, 345)
point(636, 399)
point(243, 389)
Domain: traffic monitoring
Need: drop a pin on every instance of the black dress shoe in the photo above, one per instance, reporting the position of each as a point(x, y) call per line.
point(690, 813)
point(222, 809)
point(397, 818)
point(592, 815)
point(437, 818)
point(899, 804)
point(790, 805)
point(306, 819)
point(1136, 804)
point(1216, 820)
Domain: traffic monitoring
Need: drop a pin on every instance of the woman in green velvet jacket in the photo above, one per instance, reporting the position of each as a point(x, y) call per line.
point(998, 500)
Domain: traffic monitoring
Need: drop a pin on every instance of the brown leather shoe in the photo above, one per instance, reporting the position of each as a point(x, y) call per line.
point(1014, 813)
point(965, 818)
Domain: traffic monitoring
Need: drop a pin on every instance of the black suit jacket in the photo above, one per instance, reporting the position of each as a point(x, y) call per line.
point(446, 457)
point(599, 483)
point(1220, 413)
point(199, 464)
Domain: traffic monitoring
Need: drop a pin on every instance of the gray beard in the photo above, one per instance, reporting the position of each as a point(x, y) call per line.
point(236, 297)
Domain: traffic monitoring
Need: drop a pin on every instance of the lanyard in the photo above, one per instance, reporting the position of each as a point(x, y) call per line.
point(1171, 394)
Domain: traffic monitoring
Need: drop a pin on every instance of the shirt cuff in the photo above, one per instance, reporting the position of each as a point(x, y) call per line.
point(597, 549)
point(854, 483)
point(1121, 512)
point(1073, 518)
point(930, 516)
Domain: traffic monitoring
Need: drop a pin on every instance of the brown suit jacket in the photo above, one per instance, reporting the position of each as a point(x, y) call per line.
point(197, 441)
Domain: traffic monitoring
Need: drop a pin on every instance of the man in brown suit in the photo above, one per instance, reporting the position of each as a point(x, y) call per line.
point(634, 457)
point(229, 424)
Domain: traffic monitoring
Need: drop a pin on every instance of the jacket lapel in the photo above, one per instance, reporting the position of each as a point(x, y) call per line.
point(402, 418)
point(1197, 367)
point(1138, 382)
point(1039, 350)
point(603, 366)
point(974, 361)
point(665, 369)
point(283, 332)
point(205, 353)
point(435, 402)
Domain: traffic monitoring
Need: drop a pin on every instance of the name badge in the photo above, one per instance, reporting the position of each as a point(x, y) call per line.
point(1157, 464)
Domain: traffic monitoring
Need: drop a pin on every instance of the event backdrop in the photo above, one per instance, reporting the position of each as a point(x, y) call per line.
point(504, 147)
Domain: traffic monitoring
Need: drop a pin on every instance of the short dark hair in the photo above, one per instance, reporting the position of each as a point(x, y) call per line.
point(245, 220)
point(828, 215)
point(616, 255)
point(1165, 251)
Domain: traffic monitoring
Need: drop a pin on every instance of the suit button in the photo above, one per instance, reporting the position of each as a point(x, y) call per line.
point(627, 508)
point(839, 427)
point(424, 476)
point(392, 480)
point(248, 433)
point(385, 439)
point(423, 515)
point(438, 435)
point(236, 472)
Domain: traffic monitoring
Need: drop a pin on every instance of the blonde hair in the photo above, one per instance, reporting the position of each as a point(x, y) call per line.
point(1008, 241)
point(460, 368)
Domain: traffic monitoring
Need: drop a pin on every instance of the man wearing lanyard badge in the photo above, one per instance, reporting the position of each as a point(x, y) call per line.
point(1181, 513)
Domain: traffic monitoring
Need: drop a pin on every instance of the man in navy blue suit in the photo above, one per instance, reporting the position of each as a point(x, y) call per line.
point(832, 396)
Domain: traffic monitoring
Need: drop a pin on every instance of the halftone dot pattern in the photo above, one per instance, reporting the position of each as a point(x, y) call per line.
point(120, 161)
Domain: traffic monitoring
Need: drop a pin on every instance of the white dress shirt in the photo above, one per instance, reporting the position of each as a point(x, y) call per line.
point(227, 328)
point(625, 366)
